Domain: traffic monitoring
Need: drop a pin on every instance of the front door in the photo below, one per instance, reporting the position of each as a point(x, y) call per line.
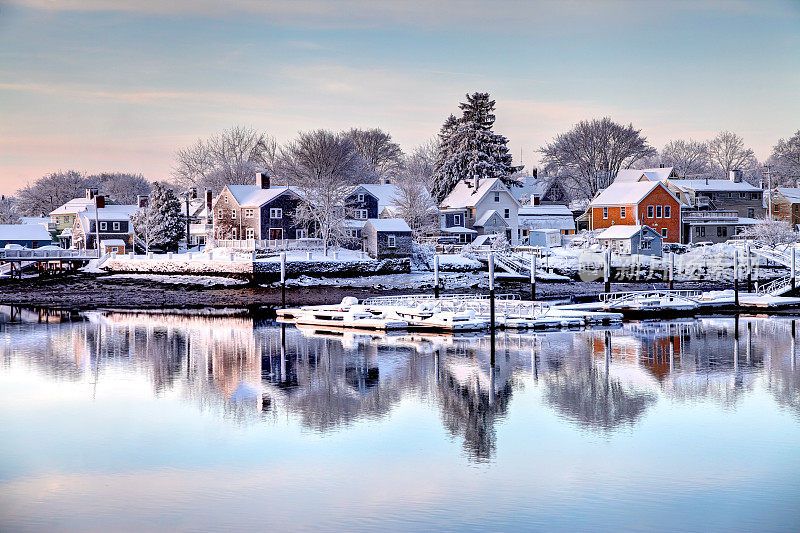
point(275, 234)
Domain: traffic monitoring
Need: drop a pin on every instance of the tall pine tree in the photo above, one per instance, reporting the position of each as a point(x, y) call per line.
point(160, 225)
point(469, 149)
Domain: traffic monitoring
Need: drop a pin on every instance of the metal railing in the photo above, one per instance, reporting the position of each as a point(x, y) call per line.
point(776, 287)
point(35, 254)
point(268, 244)
point(609, 297)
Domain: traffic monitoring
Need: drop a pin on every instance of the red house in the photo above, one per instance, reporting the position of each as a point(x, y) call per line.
point(647, 203)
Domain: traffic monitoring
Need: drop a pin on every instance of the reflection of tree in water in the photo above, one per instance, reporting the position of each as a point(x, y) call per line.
point(468, 412)
point(783, 381)
point(582, 393)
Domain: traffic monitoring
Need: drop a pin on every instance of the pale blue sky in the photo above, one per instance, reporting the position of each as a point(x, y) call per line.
point(118, 85)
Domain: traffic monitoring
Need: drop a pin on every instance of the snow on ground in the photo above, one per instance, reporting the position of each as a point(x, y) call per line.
point(415, 280)
point(340, 254)
point(181, 279)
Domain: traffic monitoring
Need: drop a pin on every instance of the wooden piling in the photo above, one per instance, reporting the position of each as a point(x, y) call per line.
point(533, 277)
point(607, 271)
point(749, 266)
point(283, 280)
point(436, 276)
point(736, 278)
point(491, 294)
point(671, 270)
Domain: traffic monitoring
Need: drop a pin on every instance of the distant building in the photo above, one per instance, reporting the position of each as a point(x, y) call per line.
point(25, 235)
point(646, 203)
point(636, 239)
point(257, 212)
point(540, 191)
point(387, 238)
point(645, 174)
point(114, 223)
point(558, 217)
point(63, 217)
point(480, 207)
point(546, 238)
point(785, 203)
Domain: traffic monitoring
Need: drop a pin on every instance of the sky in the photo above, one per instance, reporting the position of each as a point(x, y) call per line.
point(102, 85)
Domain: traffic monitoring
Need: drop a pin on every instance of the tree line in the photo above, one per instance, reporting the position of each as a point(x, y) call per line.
point(324, 164)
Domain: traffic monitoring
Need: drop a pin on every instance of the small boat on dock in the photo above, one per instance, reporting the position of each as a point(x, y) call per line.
point(347, 314)
point(426, 317)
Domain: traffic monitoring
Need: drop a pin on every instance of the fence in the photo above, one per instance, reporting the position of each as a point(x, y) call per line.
point(268, 244)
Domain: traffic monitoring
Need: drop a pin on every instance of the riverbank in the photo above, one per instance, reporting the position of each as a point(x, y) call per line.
point(81, 291)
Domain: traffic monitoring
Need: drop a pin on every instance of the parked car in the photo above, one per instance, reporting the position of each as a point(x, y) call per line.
point(675, 247)
point(702, 243)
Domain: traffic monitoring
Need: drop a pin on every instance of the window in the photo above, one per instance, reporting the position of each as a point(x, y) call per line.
point(456, 220)
point(360, 197)
point(507, 213)
point(103, 226)
point(622, 212)
point(275, 212)
point(303, 233)
point(220, 214)
point(362, 214)
point(659, 211)
point(233, 214)
point(234, 234)
point(497, 197)
point(391, 241)
point(722, 231)
point(664, 232)
point(115, 225)
point(742, 195)
point(605, 212)
point(645, 245)
point(248, 213)
point(250, 233)
point(667, 211)
point(700, 231)
point(754, 196)
point(751, 213)
point(649, 211)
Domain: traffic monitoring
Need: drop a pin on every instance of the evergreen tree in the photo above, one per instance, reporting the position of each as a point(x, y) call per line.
point(161, 224)
point(469, 149)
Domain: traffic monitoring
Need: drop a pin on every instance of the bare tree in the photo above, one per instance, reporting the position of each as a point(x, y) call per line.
point(415, 205)
point(121, 187)
point(689, 158)
point(592, 152)
point(772, 233)
point(8, 212)
point(324, 166)
point(228, 158)
point(785, 159)
point(50, 191)
point(421, 162)
point(383, 156)
point(727, 152)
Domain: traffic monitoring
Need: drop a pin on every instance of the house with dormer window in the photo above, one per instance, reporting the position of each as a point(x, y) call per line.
point(480, 207)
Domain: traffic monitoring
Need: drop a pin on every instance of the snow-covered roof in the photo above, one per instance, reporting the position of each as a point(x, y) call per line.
point(24, 232)
point(353, 224)
point(622, 231)
point(76, 205)
point(714, 185)
point(551, 222)
point(530, 186)
point(109, 213)
point(458, 229)
point(791, 194)
point(255, 196)
point(112, 242)
point(651, 174)
point(625, 193)
point(389, 224)
point(484, 218)
point(544, 210)
point(387, 193)
point(465, 195)
point(35, 220)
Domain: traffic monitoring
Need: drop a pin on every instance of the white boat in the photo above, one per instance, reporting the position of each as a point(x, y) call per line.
point(347, 314)
point(425, 317)
point(656, 303)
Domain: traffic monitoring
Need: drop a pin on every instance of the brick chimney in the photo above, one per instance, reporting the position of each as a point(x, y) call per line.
point(100, 201)
point(142, 201)
point(209, 201)
point(91, 192)
point(262, 180)
point(194, 193)
point(735, 176)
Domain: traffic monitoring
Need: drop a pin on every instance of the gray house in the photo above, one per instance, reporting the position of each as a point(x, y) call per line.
point(387, 238)
point(629, 240)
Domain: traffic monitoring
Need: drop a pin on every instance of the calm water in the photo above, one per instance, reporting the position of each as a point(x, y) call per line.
point(134, 422)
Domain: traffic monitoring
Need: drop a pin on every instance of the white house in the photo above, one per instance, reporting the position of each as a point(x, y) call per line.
point(632, 239)
point(480, 207)
point(536, 217)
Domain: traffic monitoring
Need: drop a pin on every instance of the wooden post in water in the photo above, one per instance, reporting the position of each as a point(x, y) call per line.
point(283, 280)
point(749, 266)
point(671, 270)
point(533, 277)
point(607, 271)
point(436, 276)
point(736, 342)
point(491, 297)
point(736, 278)
point(794, 345)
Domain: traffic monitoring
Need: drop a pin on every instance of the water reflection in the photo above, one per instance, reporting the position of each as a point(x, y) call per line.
point(252, 371)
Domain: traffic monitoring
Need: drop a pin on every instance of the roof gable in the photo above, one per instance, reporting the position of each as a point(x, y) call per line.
point(628, 193)
point(465, 195)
